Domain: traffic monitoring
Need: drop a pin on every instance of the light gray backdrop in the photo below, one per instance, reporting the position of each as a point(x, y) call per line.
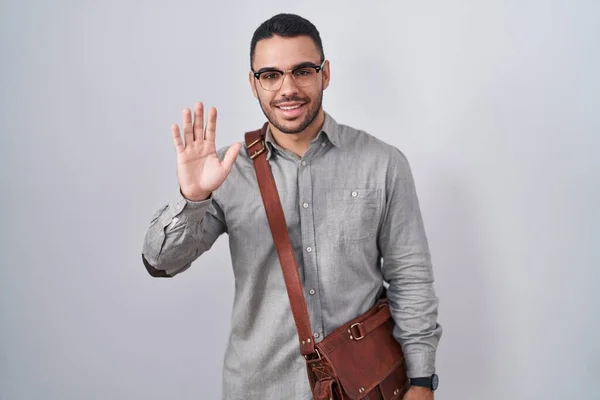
point(495, 103)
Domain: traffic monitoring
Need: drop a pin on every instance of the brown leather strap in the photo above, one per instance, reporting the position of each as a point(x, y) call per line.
point(255, 142)
point(357, 328)
point(361, 329)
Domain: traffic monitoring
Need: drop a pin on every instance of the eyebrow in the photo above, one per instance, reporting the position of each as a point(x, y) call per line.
point(301, 65)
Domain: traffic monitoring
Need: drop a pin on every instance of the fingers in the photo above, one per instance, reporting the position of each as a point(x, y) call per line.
point(179, 147)
point(198, 121)
point(188, 129)
point(211, 125)
point(194, 130)
point(231, 155)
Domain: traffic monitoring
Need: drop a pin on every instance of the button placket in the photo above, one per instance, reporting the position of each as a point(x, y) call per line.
point(311, 275)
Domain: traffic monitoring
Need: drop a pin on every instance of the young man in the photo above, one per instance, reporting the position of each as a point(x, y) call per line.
point(352, 213)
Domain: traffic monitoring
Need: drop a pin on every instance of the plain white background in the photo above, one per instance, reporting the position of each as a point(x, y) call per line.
point(495, 103)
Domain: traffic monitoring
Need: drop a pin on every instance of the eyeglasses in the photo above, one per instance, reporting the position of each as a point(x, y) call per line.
point(303, 75)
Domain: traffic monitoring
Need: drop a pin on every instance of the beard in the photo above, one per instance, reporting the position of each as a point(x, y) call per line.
point(313, 111)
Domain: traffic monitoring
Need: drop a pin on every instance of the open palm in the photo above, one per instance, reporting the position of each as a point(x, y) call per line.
point(199, 169)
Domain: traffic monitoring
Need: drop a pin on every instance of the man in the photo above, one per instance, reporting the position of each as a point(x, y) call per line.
point(352, 214)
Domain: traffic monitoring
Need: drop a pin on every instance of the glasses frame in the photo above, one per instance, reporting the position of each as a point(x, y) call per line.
point(317, 68)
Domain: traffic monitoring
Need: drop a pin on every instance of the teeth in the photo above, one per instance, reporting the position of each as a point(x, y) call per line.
point(290, 108)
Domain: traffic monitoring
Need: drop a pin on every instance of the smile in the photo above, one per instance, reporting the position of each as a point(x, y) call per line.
point(291, 110)
point(290, 107)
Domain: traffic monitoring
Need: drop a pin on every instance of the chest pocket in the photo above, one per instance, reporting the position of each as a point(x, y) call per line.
point(353, 214)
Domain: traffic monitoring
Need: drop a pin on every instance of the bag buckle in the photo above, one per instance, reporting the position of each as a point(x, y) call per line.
point(259, 151)
point(314, 359)
point(352, 335)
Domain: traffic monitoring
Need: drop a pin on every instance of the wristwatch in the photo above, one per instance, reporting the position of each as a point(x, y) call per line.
point(430, 382)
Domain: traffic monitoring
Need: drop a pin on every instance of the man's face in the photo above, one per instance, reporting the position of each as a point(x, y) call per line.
point(291, 108)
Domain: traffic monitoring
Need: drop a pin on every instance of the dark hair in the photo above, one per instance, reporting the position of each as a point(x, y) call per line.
point(286, 25)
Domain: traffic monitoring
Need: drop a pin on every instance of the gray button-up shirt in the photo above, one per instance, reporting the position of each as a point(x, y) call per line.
point(354, 223)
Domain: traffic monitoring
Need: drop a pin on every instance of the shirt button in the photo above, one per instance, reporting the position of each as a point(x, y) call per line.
point(354, 194)
point(303, 162)
point(312, 291)
point(309, 249)
point(323, 144)
point(316, 334)
point(305, 205)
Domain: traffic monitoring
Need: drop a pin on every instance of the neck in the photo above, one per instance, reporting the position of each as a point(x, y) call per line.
point(298, 143)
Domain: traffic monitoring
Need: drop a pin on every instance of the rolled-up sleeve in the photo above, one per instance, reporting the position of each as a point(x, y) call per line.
point(179, 232)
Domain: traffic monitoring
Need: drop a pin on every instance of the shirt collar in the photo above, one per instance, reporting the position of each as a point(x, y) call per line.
point(330, 130)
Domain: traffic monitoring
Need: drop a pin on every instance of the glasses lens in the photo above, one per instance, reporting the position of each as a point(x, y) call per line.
point(270, 80)
point(305, 76)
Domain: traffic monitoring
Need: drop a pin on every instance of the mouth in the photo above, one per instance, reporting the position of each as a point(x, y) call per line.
point(291, 110)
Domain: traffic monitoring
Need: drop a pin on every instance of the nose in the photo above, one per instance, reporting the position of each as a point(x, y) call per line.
point(288, 86)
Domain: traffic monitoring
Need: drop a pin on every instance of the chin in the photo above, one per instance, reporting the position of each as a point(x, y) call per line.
point(291, 128)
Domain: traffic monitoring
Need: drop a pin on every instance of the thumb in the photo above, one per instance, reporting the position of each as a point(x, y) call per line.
point(231, 155)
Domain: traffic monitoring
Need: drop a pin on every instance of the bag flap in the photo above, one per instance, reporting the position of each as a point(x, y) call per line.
point(361, 365)
point(395, 385)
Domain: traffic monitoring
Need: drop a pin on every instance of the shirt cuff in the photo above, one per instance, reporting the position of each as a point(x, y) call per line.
point(420, 365)
point(188, 210)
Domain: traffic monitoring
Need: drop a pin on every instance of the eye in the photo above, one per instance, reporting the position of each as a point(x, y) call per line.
point(304, 71)
point(270, 76)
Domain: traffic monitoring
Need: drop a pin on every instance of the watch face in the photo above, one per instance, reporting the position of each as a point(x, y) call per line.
point(434, 381)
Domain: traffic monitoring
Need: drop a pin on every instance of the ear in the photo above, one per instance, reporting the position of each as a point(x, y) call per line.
point(326, 74)
point(252, 81)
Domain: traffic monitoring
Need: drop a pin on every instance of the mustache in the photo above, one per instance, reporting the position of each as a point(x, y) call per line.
point(289, 99)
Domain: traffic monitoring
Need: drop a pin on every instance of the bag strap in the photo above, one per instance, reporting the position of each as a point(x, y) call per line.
point(256, 145)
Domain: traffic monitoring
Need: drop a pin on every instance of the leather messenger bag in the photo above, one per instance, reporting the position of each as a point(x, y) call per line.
point(360, 359)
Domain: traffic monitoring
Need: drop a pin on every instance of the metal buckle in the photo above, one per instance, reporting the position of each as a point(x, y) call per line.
point(259, 151)
point(314, 359)
point(353, 336)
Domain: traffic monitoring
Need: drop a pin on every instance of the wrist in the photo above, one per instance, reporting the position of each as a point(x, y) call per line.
point(196, 198)
point(420, 389)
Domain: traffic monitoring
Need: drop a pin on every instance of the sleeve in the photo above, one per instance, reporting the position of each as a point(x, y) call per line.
point(179, 233)
point(408, 271)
